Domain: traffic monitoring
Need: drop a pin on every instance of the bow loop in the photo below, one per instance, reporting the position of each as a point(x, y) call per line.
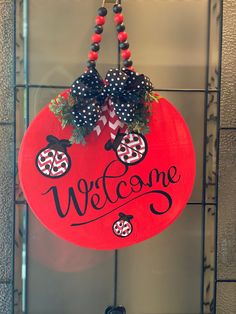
point(116, 82)
point(127, 92)
point(90, 84)
point(125, 110)
point(138, 83)
point(88, 93)
point(125, 88)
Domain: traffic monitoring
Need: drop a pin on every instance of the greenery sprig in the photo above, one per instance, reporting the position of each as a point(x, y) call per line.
point(62, 108)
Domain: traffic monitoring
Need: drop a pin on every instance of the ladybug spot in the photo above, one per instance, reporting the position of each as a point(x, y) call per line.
point(50, 154)
point(135, 138)
point(42, 158)
point(120, 224)
point(47, 167)
point(127, 140)
point(122, 149)
point(55, 169)
point(116, 227)
point(124, 233)
point(134, 154)
point(126, 157)
point(60, 157)
point(63, 164)
point(118, 231)
point(138, 146)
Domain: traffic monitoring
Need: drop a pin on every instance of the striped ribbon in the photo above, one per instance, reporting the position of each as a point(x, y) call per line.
point(110, 118)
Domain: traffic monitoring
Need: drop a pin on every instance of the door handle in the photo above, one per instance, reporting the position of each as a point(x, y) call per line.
point(115, 310)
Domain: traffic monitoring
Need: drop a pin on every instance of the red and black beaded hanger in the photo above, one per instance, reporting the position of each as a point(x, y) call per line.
point(124, 94)
point(122, 35)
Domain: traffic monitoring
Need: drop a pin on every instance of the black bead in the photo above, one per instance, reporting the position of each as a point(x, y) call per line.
point(102, 11)
point(120, 28)
point(95, 47)
point(128, 63)
point(124, 45)
point(117, 8)
point(91, 64)
point(98, 29)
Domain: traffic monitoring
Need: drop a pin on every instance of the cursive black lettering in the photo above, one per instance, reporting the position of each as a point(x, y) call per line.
point(84, 188)
point(95, 200)
point(71, 197)
point(172, 171)
point(155, 176)
point(118, 190)
point(157, 192)
point(112, 187)
point(136, 181)
point(106, 177)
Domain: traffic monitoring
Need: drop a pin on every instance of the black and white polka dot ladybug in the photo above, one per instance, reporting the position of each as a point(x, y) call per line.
point(53, 161)
point(123, 227)
point(130, 148)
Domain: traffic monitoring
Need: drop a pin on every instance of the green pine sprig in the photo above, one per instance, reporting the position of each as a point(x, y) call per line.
point(141, 120)
point(78, 135)
point(62, 108)
point(142, 115)
point(152, 96)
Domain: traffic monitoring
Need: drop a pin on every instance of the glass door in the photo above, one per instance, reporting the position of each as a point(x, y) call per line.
point(177, 44)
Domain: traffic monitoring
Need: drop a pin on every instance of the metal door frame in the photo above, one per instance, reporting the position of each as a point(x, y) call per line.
point(8, 172)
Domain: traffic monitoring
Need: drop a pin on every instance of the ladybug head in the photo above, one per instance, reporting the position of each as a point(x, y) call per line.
point(114, 145)
point(125, 217)
point(57, 144)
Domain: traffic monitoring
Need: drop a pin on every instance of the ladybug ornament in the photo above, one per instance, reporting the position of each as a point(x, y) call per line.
point(123, 227)
point(130, 148)
point(53, 161)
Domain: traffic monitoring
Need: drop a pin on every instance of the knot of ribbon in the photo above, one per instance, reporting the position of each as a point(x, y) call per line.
point(54, 140)
point(55, 143)
point(125, 90)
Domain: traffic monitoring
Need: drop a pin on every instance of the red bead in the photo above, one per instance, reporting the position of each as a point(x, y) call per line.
point(93, 55)
point(131, 69)
point(126, 54)
point(100, 20)
point(96, 38)
point(122, 36)
point(119, 18)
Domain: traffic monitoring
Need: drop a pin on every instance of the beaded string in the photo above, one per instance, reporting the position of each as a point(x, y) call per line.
point(96, 37)
point(122, 36)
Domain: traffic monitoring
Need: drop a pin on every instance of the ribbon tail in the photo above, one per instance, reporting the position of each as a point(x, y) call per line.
point(102, 122)
point(115, 124)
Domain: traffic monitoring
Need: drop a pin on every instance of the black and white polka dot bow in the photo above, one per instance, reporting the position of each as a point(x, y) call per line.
point(124, 88)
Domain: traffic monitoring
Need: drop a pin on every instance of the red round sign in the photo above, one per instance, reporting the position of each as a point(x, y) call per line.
point(108, 195)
